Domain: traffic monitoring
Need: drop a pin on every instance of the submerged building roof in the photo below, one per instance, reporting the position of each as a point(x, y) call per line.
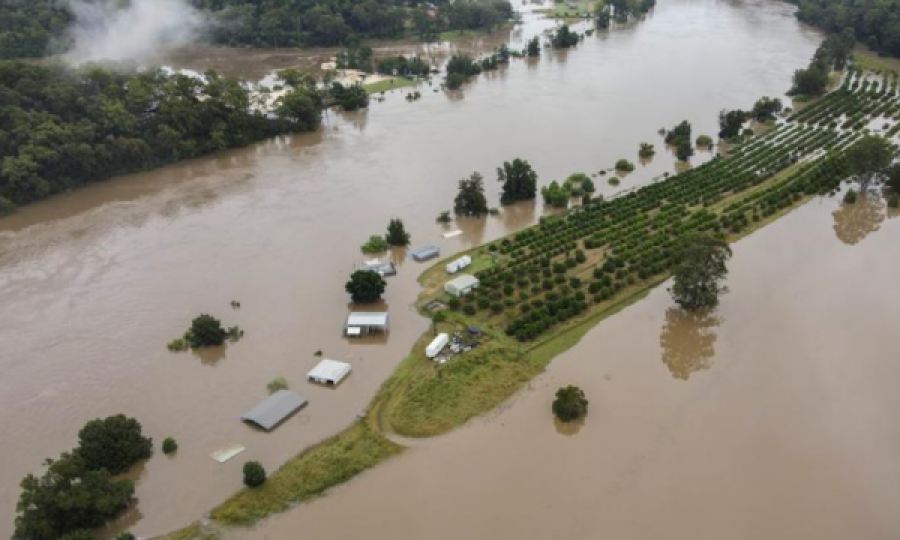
point(424, 253)
point(329, 371)
point(368, 318)
point(274, 409)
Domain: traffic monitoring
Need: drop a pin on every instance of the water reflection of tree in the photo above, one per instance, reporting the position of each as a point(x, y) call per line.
point(688, 341)
point(854, 222)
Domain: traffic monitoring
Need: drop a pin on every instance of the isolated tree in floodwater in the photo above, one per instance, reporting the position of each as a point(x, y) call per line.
point(646, 151)
point(470, 201)
point(699, 271)
point(868, 158)
point(519, 181)
point(365, 286)
point(570, 403)
point(730, 123)
point(396, 233)
point(534, 47)
point(114, 443)
point(206, 331)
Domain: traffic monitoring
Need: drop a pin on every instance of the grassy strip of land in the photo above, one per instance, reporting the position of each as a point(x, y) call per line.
point(329, 463)
point(387, 85)
point(193, 531)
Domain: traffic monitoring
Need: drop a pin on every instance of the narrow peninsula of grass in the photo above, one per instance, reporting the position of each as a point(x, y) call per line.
point(193, 531)
point(331, 462)
point(386, 85)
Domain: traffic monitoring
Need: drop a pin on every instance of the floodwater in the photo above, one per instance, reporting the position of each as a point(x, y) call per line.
point(772, 417)
point(95, 283)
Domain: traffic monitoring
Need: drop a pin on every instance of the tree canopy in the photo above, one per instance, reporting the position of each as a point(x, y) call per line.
point(700, 271)
point(470, 201)
point(519, 181)
point(869, 157)
point(396, 233)
point(114, 443)
point(30, 28)
point(69, 497)
point(875, 23)
point(62, 128)
point(570, 403)
point(365, 286)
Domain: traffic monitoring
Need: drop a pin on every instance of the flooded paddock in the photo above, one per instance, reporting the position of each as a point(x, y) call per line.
point(772, 417)
point(95, 283)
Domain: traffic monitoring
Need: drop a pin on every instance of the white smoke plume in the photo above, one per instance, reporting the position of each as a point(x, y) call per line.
point(131, 31)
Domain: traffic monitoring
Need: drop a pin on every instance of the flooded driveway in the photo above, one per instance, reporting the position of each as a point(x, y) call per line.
point(774, 417)
point(95, 283)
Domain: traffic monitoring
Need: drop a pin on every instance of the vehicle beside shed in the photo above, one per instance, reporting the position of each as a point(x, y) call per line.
point(437, 345)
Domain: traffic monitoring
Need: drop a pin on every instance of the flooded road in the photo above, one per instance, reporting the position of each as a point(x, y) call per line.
point(774, 417)
point(95, 283)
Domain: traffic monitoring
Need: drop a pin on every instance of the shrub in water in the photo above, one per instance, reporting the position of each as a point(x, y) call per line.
point(570, 403)
point(169, 446)
point(254, 474)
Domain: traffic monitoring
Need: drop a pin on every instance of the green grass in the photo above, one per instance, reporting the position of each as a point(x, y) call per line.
point(389, 84)
point(867, 59)
point(329, 463)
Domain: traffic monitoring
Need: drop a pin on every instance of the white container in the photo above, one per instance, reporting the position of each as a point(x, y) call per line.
point(437, 345)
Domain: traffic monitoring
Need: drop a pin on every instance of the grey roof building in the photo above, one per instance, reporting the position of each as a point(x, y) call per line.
point(275, 409)
point(425, 253)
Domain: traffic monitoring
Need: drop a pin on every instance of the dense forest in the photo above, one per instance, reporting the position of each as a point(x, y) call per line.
point(875, 23)
point(31, 28)
point(62, 128)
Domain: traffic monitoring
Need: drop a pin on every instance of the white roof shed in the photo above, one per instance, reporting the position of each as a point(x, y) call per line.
point(329, 372)
point(461, 285)
point(363, 322)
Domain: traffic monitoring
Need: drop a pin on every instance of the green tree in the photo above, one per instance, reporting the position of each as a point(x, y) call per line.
point(254, 474)
point(114, 443)
point(436, 319)
point(869, 157)
point(564, 38)
point(730, 123)
point(350, 98)
point(206, 331)
point(396, 233)
point(623, 165)
point(169, 446)
point(533, 49)
point(470, 201)
point(646, 151)
point(684, 150)
point(365, 286)
point(375, 244)
point(766, 108)
point(700, 270)
point(812, 81)
point(302, 107)
point(69, 497)
point(570, 403)
point(519, 181)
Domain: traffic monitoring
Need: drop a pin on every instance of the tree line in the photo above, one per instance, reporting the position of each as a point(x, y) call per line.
point(62, 128)
point(876, 23)
point(32, 29)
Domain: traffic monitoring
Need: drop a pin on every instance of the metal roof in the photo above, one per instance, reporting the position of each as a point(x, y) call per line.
point(274, 409)
point(425, 252)
point(330, 371)
point(463, 282)
point(368, 318)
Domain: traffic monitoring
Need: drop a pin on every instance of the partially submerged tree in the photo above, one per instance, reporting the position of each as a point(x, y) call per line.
point(564, 38)
point(700, 271)
point(396, 233)
point(206, 331)
point(766, 108)
point(868, 158)
point(114, 443)
point(471, 200)
point(69, 497)
point(646, 151)
point(519, 181)
point(534, 47)
point(365, 286)
point(730, 123)
point(570, 403)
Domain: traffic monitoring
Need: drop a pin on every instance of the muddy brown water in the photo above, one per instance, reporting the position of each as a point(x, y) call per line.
point(772, 417)
point(94, 283)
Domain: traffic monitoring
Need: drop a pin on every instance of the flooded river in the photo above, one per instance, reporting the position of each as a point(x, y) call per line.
point(773, 417)
point(94, 283)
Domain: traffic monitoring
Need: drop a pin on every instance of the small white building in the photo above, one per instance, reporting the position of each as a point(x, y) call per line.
point(459, 264)
point(462, 285)
point(330, 372)
point(362, 323)
point(437, 345)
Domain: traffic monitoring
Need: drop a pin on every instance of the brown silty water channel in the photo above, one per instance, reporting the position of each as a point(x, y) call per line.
point(94, 283)
point(772, 417)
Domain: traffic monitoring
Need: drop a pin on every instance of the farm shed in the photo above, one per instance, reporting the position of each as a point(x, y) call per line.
point(383, 269)
point(329, 372)
point(437, 345)
point(275, 409)
point(361, 323)
point(425, 253)
point(462, 285)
